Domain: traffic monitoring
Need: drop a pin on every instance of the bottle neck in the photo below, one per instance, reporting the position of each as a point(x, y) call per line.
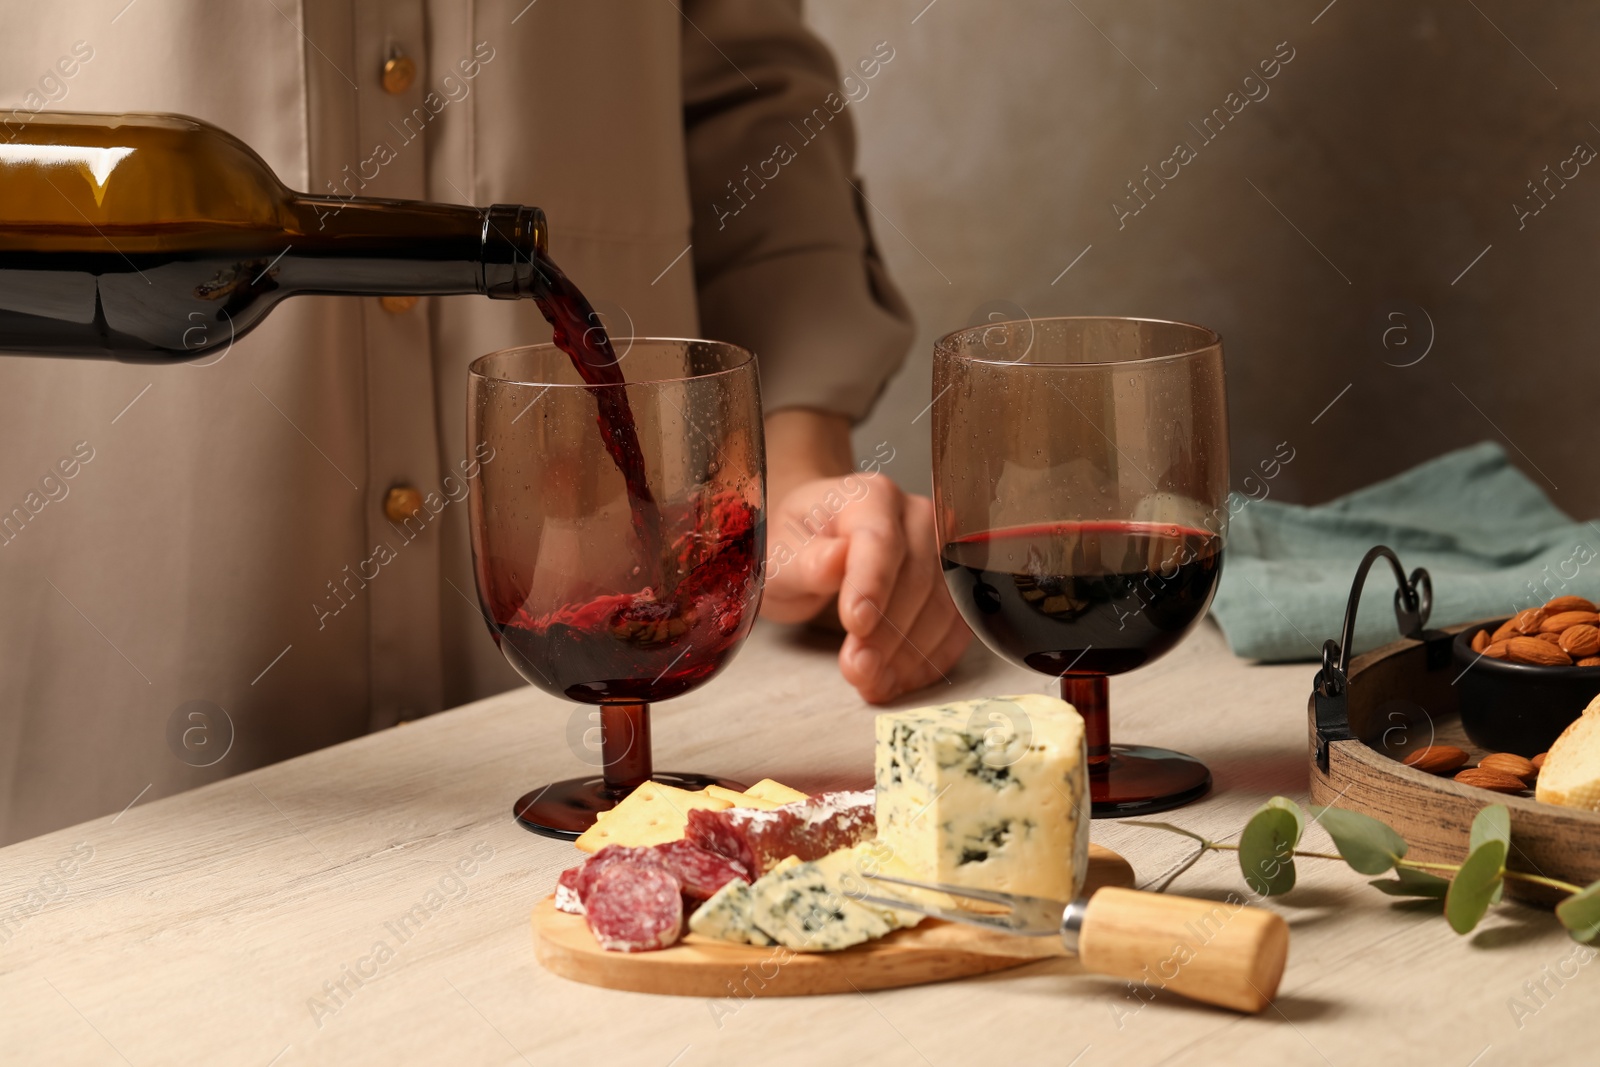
point(370, 247)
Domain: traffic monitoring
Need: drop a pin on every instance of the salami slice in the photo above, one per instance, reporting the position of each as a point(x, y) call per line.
point(567, 892)
point(701, 871)
point(591, 868)
point(632, 907)
point(809, 828)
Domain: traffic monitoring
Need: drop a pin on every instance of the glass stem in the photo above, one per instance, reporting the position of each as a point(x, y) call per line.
point(1090, 694)
point(625, 745)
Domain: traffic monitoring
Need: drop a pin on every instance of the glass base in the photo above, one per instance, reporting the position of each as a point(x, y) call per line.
point(567, 808)
point(1139, 780)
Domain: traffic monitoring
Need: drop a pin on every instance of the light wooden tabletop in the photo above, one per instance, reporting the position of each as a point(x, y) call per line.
point(215, 927)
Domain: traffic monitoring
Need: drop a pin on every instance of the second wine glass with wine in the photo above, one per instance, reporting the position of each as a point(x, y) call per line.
point(1080, 491)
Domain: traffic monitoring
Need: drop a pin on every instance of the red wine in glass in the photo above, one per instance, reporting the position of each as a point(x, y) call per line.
point(1080, 487)
point(632, 648)
point(1084, 598)
point(618, 532)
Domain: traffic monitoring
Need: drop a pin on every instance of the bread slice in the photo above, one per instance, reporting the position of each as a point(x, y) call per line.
point(1571, 772)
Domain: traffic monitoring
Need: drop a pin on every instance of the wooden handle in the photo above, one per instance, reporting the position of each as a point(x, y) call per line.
point(1228, 954)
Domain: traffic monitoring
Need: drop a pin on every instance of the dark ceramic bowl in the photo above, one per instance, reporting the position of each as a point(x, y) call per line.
point(1517, 707)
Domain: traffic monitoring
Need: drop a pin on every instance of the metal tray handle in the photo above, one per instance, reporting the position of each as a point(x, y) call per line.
point(1413, 602)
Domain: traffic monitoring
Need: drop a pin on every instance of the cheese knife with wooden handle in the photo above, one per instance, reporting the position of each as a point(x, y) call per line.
point(1231, 955)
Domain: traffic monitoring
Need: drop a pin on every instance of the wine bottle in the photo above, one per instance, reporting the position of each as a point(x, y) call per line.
point(163, 238)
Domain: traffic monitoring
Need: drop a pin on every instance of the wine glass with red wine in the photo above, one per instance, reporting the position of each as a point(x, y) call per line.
point(618, 538)
point(1080, 488)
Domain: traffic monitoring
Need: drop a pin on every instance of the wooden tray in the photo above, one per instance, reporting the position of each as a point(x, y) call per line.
point(704, 967)
point(1401, 697)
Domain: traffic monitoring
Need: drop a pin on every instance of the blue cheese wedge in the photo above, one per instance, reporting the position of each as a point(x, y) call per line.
point(726, 916)
point(850, 871)
point(987, 793)
point(808, 907)
point(804, 908)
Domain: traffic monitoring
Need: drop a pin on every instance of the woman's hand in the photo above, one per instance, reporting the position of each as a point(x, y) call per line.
point(858, 540)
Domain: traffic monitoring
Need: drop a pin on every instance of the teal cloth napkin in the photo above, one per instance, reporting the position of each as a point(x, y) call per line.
point(1491, 539)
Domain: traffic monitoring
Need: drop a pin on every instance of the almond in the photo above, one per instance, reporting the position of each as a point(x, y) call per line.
point(1480, 640)
point(1533, 650)
point(1538, 761)
point(1497, 650)
point(1554, 624)
point(1503, 631)
point(1528, 621)
point(1568, 603)
point(1436, 759)
point(1589, 661)
point(1580, 640)
point(1508, 763)
point(1551, 638)
point(1498, 781)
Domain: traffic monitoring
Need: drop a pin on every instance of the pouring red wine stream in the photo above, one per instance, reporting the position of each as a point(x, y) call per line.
point(605, 649)
point(578, 331)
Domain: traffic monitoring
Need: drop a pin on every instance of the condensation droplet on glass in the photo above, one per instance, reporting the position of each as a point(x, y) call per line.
point(636, 570)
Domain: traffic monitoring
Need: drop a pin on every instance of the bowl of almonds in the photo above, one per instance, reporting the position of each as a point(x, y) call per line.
point(1524, 679)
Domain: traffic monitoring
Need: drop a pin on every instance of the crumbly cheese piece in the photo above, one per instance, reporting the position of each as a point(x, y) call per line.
point(850, 872)
point(1571, 772)
point(726, 916)
point(987, 793)
point(809, 907)
point(650, 815)
point(802, 908)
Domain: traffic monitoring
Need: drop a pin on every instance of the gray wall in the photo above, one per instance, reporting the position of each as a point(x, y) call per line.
point(1392, 148)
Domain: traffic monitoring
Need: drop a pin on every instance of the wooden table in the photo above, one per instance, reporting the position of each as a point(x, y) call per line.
point(216, 927)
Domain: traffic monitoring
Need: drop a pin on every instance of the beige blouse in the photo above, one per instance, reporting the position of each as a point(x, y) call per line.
point(165, 587)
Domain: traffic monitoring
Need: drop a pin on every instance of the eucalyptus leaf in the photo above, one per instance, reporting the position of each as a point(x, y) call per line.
point(1290, 806)
point(1367, 845)
point(1475, 885)
point(1491, 824)
point(1266, 849)
point(1410, 882)
point(1580, 913)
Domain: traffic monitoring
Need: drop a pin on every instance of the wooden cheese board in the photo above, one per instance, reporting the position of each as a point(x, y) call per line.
point(933, 951)
point(1369, 711)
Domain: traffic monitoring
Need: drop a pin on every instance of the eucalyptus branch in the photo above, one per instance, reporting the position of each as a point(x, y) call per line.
point(1267, 851)
point(1422, 865)
point(1184, 866)
point(1296, 852)
point(1539, 879)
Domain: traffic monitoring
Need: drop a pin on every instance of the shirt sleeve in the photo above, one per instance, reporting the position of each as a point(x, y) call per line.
point(783, 254)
